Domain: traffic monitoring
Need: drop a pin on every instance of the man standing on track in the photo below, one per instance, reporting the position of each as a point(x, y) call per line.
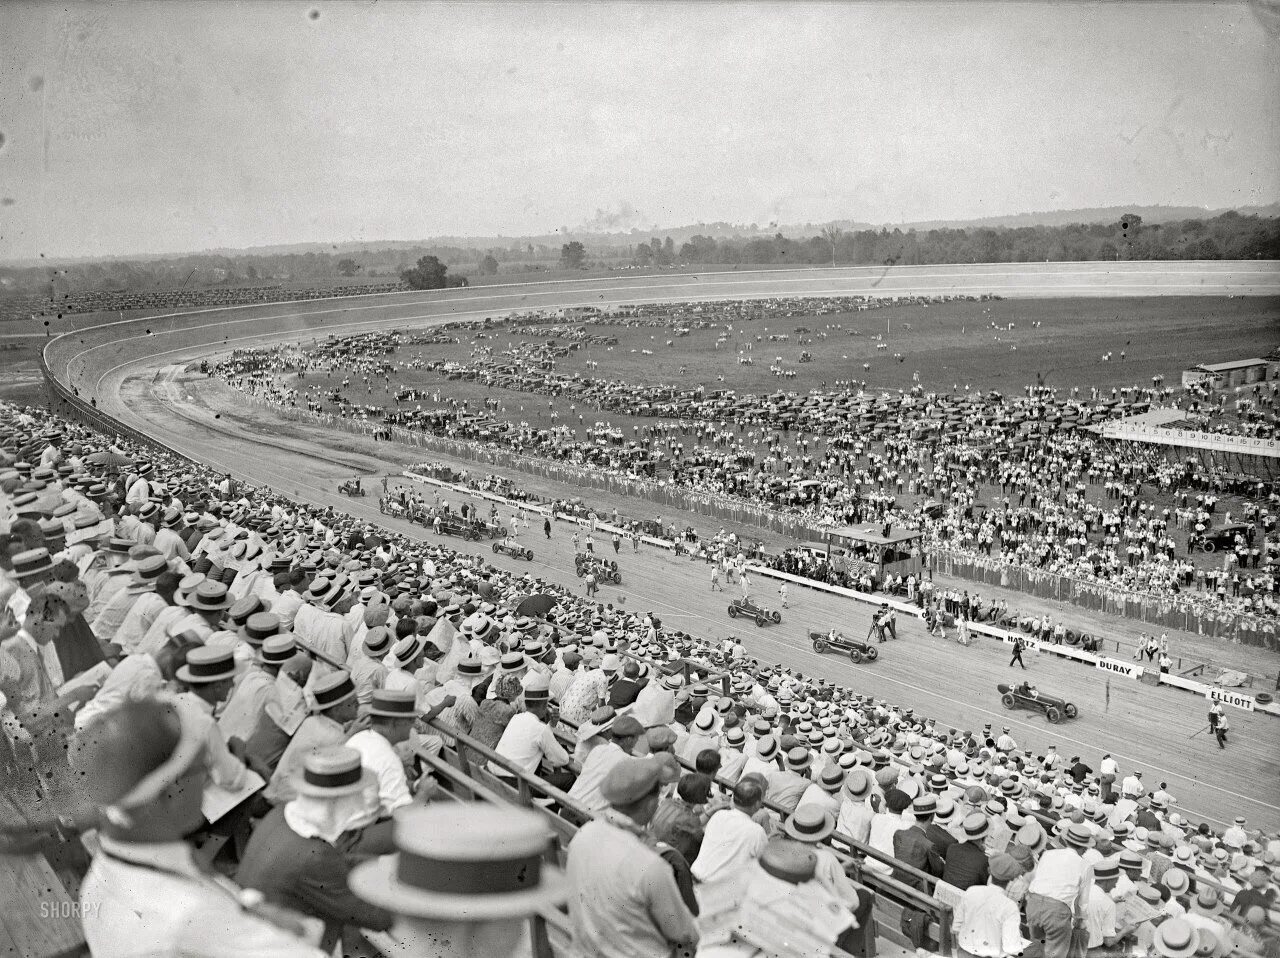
point(1017, 653)
point(546, 526)
point(746, 587)
point(715, 578)
point(1220, 731)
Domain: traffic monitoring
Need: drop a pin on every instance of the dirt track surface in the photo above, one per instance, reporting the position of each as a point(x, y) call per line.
point(1158, 730)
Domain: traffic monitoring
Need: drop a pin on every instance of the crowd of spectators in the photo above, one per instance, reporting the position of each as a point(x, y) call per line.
point(233, 691)
point(1019, 481)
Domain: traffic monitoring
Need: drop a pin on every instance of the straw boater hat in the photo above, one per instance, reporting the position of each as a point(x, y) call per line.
point(810, 823)
point(377, 641)
point(1176, 938)
point(464, 862)
point(393, 703)
point(334, 689)
point(208, 597)
point(278, 649)
point(148, 571)
point(31, 562)
point(205, 664)
point(332, 772)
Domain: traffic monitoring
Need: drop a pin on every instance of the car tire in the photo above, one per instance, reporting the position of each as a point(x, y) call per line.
point(495, 548)
point(1071, 710)
point(1053, 715)
point(1007, 700)
point(1208, 546)
point(819, 646)
point(872, 654)
point(777, 617)
point(855, 656)
point(760, 621)
point(733, 611)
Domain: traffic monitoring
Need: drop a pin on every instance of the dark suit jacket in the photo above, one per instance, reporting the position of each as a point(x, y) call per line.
point(913, 847)
point(307, 875)
point(623, 693)
point(967, 865)
point(939, 837)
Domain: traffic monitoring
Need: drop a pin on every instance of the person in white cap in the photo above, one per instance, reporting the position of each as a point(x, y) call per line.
point(144, 893)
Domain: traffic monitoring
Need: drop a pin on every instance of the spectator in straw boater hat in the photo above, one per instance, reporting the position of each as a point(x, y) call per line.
point(205, 604)
point(208, 676)
point(332, 706)
point(1059, 891)
point(466, 874)
point(391, 715)
point(302, 852)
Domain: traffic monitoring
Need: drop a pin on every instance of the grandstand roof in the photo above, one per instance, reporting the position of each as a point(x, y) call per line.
point(1227, 367)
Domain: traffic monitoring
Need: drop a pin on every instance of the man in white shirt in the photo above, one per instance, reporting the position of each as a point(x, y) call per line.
point(732, 841)
point(528, 741)
point(986, 921)
point(1059, 891)
point(622, 737)
point(855, 814)
point(333, 706)
point(1132, 786)
point(391, 717)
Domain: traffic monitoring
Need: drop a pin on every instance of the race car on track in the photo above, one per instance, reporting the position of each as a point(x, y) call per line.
point(605, 570)
point(513, 550)
point(748, 608)
point(352, 488)
point(858, 651)
point(1027, 696)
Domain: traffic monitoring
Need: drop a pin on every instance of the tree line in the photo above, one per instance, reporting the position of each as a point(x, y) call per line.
point(1227, 236)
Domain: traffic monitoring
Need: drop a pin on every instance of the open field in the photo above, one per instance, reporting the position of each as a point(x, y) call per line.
point(1155, 729)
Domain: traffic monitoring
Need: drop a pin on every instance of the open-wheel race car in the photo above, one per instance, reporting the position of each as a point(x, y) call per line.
point(858, 651)
point(605, 570)
point(1027, 696)
point(513, 550)
point(351, 488)
point(748, 608)
point(452, 525)
point(491, 529)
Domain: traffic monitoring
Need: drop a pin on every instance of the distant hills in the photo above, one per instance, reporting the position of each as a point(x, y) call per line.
point(592, 235)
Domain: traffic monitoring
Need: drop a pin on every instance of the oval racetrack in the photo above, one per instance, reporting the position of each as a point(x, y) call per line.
point(1158, 730)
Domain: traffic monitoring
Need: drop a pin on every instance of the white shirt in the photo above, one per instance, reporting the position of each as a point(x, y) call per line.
point(1099, 916)
point(730, 842)
point(139, 493)
point(594, 768)
point(854, 819)
point(1132, 787)
point(156, 903)
point(135, 676)
point(249, 699)
point(1063, 876)
point(986, 923)
point(378, 755)
point(525, 742)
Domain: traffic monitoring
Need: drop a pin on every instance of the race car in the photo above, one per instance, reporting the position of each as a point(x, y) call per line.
point(513, 550)
point(605, 570)
point(823, 642)
point(751, 610)
point(1027, 696)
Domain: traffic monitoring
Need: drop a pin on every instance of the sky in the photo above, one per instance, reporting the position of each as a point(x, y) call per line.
point(144, 127)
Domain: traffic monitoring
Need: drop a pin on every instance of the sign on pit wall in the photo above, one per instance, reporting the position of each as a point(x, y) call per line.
point(1115, 666)
point(1032, 643)
point(1193, 439)
point(1228, 697)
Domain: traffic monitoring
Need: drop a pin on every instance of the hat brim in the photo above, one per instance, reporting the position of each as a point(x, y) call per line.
point(184, 675)
point(377, 883)
point(303, 787)
point(810, 838)
point(195, 606)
